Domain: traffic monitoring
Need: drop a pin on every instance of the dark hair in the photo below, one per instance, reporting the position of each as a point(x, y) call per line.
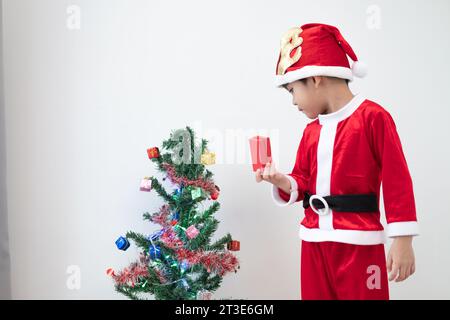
point(304, 80)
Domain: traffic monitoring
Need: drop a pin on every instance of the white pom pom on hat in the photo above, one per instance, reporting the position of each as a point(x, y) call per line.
point(359, 69)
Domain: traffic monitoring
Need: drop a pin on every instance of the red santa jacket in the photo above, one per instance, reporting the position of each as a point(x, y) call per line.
point(352, 151)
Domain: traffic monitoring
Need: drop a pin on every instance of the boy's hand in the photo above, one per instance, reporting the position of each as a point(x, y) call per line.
point(400, 261)
point(271, 175)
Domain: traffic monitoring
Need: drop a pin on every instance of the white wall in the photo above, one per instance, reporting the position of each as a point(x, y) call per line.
point(82, 106)
point(5, 277)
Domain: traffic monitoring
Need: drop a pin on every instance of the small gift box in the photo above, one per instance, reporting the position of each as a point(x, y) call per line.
point(122, 243)
point(234, 245)
point(260, 151)
point(153, 152)
point(192, 232)
point(154, 252)
point(146, 184)
point(196, 193)
point(208, 158)
point(204, 295)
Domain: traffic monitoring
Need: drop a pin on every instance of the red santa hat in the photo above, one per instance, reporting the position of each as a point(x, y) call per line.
point(316, 50)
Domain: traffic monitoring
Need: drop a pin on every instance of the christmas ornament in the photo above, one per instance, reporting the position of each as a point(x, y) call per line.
point(192, 232)
point(215, 194)
point(208, 158)
point(153, 152)
point(154, 252)
point(196, 193)
point(175, 218)
point(146, 184)
point(234, 245)
point(122, 243)
point(204, 295)
point(110, 272)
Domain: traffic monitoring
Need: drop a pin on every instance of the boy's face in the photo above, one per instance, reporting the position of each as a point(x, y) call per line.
point(306, 96)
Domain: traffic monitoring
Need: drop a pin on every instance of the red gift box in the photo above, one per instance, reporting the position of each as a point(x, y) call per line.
point(234, 245)
point(260, 152)
point(153, 152)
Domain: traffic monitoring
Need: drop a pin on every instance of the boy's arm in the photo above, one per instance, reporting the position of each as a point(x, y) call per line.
point(298, 179)
point(398, 196)
point(399, 203)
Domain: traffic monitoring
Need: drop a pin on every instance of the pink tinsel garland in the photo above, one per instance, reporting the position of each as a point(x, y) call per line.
point(161, 217)
point(209, 186)
point(132, 274)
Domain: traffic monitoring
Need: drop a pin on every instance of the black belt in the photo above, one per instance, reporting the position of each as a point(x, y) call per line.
point(346, 203)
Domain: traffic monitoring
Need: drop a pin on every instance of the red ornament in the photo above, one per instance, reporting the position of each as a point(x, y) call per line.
point(110, 272)
point(215, 194)
point(234, 245)
point(153, 152)
point(173, 222)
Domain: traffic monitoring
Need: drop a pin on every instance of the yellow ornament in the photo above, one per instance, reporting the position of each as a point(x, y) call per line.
point(208, 158)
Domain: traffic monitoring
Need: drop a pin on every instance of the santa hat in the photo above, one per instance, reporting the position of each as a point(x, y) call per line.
point(316, 50)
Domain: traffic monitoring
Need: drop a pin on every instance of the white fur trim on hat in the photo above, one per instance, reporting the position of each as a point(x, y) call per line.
point(311, 71)
point(359, 69)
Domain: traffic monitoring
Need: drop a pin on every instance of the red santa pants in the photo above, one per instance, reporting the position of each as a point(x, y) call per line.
point(334, 270)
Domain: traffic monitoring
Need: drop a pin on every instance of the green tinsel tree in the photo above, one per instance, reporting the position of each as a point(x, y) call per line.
point(179, 261)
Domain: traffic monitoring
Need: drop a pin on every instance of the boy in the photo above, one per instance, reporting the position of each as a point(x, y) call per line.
point(343, 156)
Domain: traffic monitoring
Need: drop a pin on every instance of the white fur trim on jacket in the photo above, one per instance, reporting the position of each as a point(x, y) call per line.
point(360, 237)
point(294, 193)
point(405, 228)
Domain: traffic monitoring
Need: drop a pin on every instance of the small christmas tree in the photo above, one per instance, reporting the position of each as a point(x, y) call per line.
point(178, 261)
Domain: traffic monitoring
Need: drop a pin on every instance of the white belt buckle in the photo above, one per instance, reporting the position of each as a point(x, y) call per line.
point(320, 212)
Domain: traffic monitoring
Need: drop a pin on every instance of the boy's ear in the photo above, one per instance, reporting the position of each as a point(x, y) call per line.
point(316, 81)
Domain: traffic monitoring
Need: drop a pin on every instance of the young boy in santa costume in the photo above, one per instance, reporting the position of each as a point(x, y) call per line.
point(344, 155)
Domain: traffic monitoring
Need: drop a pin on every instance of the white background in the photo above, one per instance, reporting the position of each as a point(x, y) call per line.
point(82, 105)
